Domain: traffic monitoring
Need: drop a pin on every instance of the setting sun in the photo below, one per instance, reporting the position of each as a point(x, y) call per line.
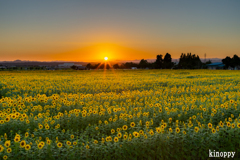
point(105, 58)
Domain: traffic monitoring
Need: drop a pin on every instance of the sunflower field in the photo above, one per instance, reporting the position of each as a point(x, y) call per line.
point(119, 114)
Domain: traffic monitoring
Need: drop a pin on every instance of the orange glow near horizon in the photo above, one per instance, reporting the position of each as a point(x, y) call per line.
point(94, 52)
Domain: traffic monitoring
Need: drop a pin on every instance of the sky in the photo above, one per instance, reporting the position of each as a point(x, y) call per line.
point(118, 29)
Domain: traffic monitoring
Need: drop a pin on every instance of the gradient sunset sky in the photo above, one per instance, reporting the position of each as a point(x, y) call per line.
point(121, 30)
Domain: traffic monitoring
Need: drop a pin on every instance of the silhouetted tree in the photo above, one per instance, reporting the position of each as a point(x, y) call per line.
point(143, 64)
point(159, 62)
point(167, 61)
point(89, 66)
point(129, 65)
point(116, 66)
point(235, 60)
point(189, 61)
point(74, 67)
point(227, 62)
point(107, 66)
point(231, 62)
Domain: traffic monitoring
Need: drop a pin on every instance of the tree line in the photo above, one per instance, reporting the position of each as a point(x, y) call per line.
point(186, 61)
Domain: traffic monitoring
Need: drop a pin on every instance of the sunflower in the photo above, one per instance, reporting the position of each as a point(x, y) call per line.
point(95, 141)
point(119, 135)
point(213, 130)
point(48, 142)
point(228, 124)
point(125, 136)
point(1, 148)
point(109, 138)
point(5, 157)
point(221, 123)
point(7, 143)
point(209, 125)
point(47, 127)
point(151, 132)
point(145, 136)
point(230, 119)
point(125, 127)
point(40, 146)
point(164, 125)
point(68, 143)
point(26, 134)
point(87, 146)
point(74, 143)
point(17, 139)
point(9, 150)
point(158, 129)
point(184, 132)
point(115, 139)
point(238, 125)
point(112, 131)
point(233, 125)
point(141, 132)
point(59, 144)
point(22, 144)
point(136, 134)
point(196, 129)
point(170, 130)
point(132, 124)
point(27, 147)
point(7, 119)
point(160, 110)
point(40, 126)
point(177, 130)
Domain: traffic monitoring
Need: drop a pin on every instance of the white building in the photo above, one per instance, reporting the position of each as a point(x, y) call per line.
point(65, 65)
point(3, 67)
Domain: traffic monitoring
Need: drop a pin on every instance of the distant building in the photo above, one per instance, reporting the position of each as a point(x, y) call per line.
point(65, 65)
point(237, 67)
point(80, 67)
point(3, 67)
point(217, 65)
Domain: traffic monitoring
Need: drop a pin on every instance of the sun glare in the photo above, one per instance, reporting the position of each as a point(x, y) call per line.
point(105, 58)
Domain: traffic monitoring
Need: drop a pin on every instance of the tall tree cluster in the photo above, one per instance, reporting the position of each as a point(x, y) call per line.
point(231, 62)
point(189, 61)
point(164, 63)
